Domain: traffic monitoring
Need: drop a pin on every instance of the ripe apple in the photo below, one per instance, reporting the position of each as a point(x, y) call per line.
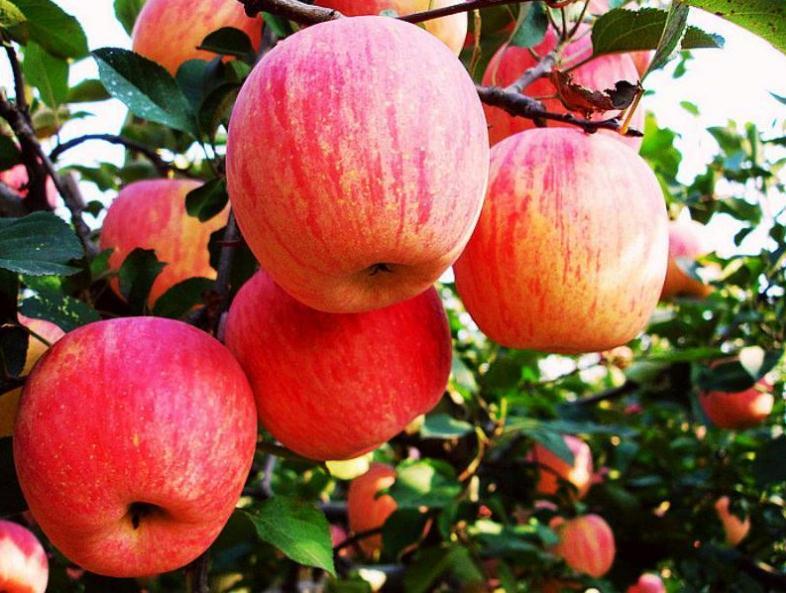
point(9, 402)
point(381, 198)
point(133, 441)
point(586, 544)
point(599, 74)
point(24, 567)
point(736, 529)
point(744, 409)
point(648, 583)
point(169, 31)
point(365, 509)
point(563, 259)
point(687, 241)
point(451, 30)
point(335, 386)
point(338, 535)
point(152, 215)
point(553, 469)
point(16, 178)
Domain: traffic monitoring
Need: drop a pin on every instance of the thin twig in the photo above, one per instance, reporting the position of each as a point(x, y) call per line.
point(530, 75)
point(609, 394)
point(160, 164)
point(197, 574)
point(356, 538)
point(427, 15)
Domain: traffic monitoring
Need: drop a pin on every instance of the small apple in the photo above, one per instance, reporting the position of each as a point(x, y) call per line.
point(366, 510)
point(133, 442)
point(736, 529)
point(648, 583)
point(553, 469)
point(24, 567)
point(741, 410)
point(16, 178)
point(687, 241)
point(586, 544)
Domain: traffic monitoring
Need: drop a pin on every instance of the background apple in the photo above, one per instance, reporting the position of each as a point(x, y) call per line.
point(382, 198)
point(744, 409)
point(736, 529)
point(152, 215)
point(559, 237)
point(552, 469)
point(332, 386)
point(16, 178)
point(586, 544)
point(133, 441)
point(648, 583)
point(365, 509)
point(169, 31)
point(24, 567)
point(687, 241)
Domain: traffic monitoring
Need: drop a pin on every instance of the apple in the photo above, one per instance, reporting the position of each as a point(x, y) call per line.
point(736, 529)
point(586, 544)
point(9, 402)
point(24, 567)
point(688, 241)
point(744, 409)
point(368, 511)
point(16, 178)
point(564, 259)
point(169, 31)
point(600, 73)
point(648, 583)
point(553, 470)
point(334, 386)
point(152, 215)
point(133, 442)
point(338, 535)
point(391, 165)
point(451, 30)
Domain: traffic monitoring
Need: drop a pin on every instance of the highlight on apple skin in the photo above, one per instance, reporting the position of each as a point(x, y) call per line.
point(736, 529)
point(381, 199)
point(334, 386)
point(737, 411)
point(153, 444)
point(24, 567)
point(553, 470)
point(586, 544)
point(169, 31)
point(648, 583)
point(558, 236)
point(365, 509)
point(152, 215)
point(687, 241)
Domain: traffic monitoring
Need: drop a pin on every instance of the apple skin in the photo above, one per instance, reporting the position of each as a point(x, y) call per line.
point(563, 259)
point(381, 198)
point(169, 31)
point(586, 544)
point(9, 402)
point(648, 583)
point(132, 444)
point(332, 386)
point(736, 411)
point(736, 529)
point(687, 240)
point(599, 74)
point(579, 474)
point(24, 567)
point(365, 510)
point(451, 30)
point(16, 178)
point(152, 215)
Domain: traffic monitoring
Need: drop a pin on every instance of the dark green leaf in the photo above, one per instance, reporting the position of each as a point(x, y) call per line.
point(432, 563)
point(217, 107)
point(182, 297)
point(11, 499)
point(39, 244)
point(13, 350)
point(127, 11)
point(10, 15)
point(297, 528)
point(732, 377)
point(765, 18)
point(427, 482)
point(778, 98)
point(207, 200)
point(768, 467)
point(9, 153)
point(401, 530)
point(229, 41)
point(137, 274)
point(279, 25)
point(531, 25)
point(9, 292)
point(191, 78)
point(87, 91)
point(64, 311)
point(46, 73)
point(51, 27)
point(673, 31)
point(444, 426)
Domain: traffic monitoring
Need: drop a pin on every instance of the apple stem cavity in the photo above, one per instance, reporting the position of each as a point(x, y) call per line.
point(139, 510)
point(380, 267)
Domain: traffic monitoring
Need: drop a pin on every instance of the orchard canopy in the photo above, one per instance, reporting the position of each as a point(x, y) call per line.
point(391, 295)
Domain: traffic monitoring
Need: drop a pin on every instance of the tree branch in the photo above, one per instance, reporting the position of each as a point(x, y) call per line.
point(530, 75)
point(292, 10)
point(160, 164)
point(427, 15)
point(11, 203)
point(197, 573)
point(609, 394)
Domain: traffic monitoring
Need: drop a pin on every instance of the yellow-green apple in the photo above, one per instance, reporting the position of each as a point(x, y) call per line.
point(335, 386)
point(381, 198)
point(736, 529)
point(132, 444)
point(152, 215)
point(597, 74)
point(169, 31)
point(563, 259)
point(16, 178)
point(451, 29)
point(687, 241)
point(647, 583)
point(24, 567)
point(553, 470)
point(743, 409)
point(586, 544)
point(43, 334)
point(366, 510)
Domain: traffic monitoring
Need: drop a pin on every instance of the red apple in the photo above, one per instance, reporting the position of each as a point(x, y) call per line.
point(553, 469)
point(16, 178)
point(687, 241)
point(563, 258)
point(152, 215)
point(334, 386)
point(338, 535)
point(23, 564)
point(451, 30)
point(736, 529)
point(586, 544)
point(647, 583)
point(599, 74)
point(169, 31)
point(365, 509)
point(385, 190)
point(133, 441)
point(744, 409)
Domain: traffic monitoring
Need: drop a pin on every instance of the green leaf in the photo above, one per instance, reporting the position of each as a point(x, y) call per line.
point(673, 30)
point(127, 11)
point(12, 501)
point(137, 274)
point(778, 98)
point(10, 15)
point(768, 467)
point(146, 88)
point(46, 73)
point(433, 563)
point(51, 27)
point(87, 91)
point(402, 529)
point(9, 153)
point(278, 25)
point(64, 311)
point(208, 200)
point(217, 107)
point(427, 482)
point(229, 41)
point(297, 528)
point(38, 244)
point(444, 426)
point(765, 18)
point(732, 377)
point(531, 25)
point(182, 297)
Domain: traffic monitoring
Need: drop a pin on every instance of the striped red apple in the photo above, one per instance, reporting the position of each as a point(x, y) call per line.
point(365, 509)
point(688, 241)
point(553, 470)
point(586, 544)
point(648, 583)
